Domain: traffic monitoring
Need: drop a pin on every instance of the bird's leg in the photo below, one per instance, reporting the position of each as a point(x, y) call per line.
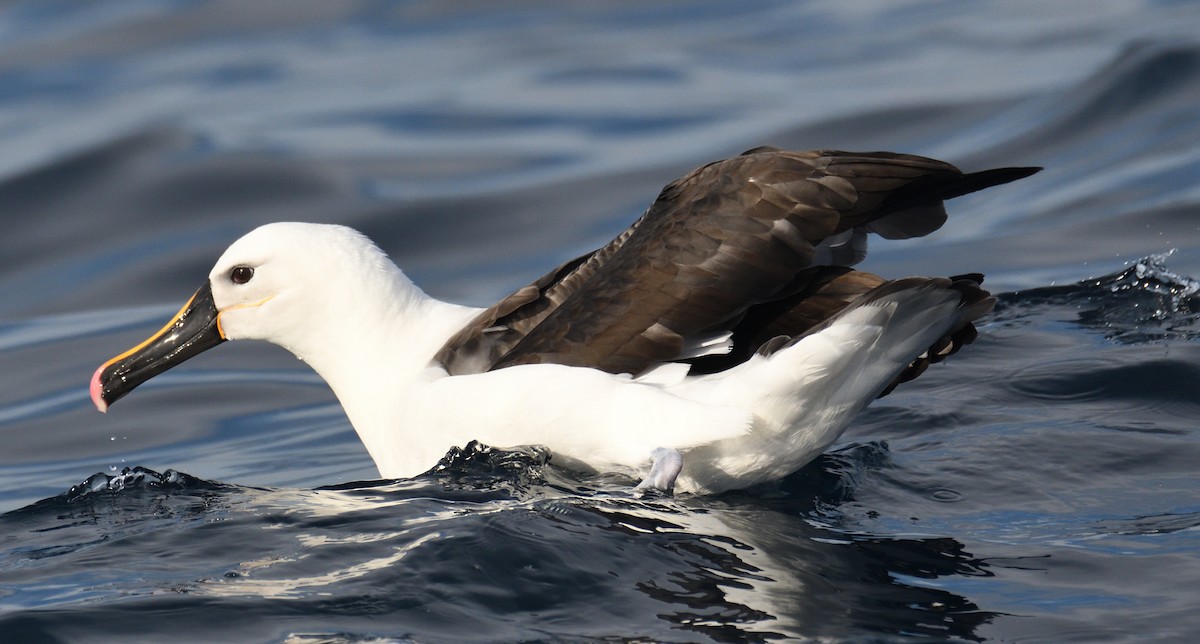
point(666, 464)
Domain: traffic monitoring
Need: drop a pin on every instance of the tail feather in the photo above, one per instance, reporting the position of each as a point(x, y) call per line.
point(974, 303)
point(971, 302)
point(806, 391)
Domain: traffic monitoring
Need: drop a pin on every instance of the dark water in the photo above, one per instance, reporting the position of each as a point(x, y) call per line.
point(1040, 486)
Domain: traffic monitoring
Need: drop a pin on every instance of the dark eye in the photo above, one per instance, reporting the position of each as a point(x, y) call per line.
point(241, 274)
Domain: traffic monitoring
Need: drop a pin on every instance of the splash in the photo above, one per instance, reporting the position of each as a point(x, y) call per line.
point(1144, 302)
point(1151, 275)
point(133, 478)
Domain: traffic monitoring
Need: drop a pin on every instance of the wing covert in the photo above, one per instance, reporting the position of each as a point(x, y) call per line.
point(729, 236)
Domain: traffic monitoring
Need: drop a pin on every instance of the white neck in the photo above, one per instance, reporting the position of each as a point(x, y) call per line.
point(368, 357)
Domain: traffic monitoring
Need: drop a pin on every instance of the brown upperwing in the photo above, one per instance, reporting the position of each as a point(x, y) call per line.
point(729, 236)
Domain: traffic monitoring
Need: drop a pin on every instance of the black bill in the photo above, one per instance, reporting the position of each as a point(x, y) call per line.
point(192, 331)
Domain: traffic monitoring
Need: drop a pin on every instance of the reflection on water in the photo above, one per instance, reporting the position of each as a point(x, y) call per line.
point(549, 544)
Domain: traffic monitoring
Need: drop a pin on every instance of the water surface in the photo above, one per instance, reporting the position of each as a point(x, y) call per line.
point(1040, 485)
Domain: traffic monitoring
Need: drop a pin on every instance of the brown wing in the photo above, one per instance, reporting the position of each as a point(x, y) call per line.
point(731, 235)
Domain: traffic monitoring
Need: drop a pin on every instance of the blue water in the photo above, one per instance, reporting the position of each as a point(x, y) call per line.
point(1039, 486)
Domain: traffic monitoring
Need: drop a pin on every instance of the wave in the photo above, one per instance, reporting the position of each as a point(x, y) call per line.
point(1145, 302)
point(488, 531)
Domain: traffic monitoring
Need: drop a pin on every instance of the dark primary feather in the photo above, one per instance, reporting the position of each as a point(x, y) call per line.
point(734, 246)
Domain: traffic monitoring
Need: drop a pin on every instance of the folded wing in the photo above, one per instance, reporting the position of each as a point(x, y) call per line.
point(734, 254)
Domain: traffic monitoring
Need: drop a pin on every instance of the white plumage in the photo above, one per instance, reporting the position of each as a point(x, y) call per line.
point(725, 325)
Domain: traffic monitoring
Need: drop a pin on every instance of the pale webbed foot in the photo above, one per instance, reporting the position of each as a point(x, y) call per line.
point(666, 463)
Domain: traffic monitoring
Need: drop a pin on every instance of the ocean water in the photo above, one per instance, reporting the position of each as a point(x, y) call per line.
point(1040, 486)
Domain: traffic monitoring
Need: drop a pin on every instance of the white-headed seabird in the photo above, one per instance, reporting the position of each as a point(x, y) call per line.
point(721, 341)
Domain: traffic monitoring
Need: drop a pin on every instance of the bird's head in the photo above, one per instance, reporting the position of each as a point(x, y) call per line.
point(276, 283)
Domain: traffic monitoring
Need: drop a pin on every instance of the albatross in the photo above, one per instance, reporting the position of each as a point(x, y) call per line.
point(721, 341)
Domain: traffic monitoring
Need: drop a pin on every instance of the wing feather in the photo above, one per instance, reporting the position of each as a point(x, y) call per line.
point(731, 241)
